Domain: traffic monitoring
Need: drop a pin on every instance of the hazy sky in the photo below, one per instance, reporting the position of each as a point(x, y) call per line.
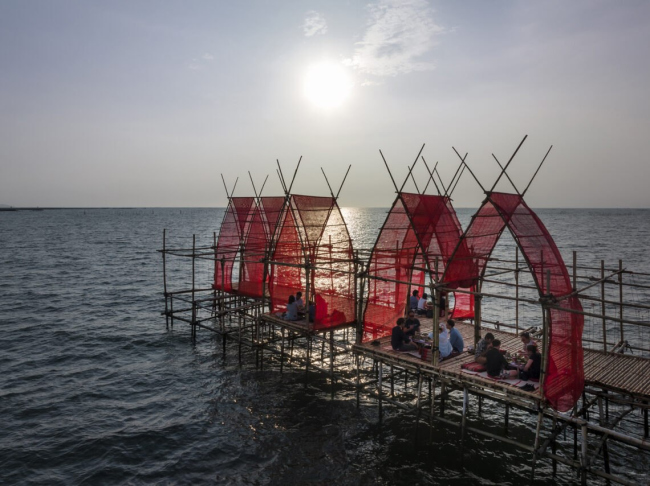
point(145, 103)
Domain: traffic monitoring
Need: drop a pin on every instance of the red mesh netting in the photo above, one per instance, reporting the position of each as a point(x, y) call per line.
point(419, 230)
point(259, 238)
point(564, 380)
point(233, 228)
point(251, 270)
point(463, 305)
point(314, 228)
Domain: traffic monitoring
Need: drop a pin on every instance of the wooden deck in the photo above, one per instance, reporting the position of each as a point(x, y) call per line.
point(301, 326)
point(450, 368)
point(620, 373)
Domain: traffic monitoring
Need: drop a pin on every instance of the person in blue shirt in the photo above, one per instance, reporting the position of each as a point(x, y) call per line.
point(413, 302)
point(455, 337)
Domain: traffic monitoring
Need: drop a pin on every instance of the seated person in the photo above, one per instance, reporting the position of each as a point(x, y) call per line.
point(292, 309)
point(455, 337)
point(496, 362)
point(398, 340)
point(412, 324)
point(300, 302)
point(533, 366)
point(423, 305)
point(443, 304)
point(443, 343)
point(413, 301)
point(527, 340)
point(482, 347)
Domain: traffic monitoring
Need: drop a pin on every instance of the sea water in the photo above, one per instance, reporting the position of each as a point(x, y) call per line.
point(95, 390)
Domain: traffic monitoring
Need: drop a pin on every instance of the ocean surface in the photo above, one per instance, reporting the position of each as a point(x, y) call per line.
point(95, 390)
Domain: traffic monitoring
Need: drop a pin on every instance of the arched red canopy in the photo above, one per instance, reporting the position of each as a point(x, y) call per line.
point(564, 380)
point(419, 230)
point(234, 226)
point(312, 230)
point(258, 240)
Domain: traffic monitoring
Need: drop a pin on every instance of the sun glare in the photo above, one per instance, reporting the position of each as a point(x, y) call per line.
point(327, 85)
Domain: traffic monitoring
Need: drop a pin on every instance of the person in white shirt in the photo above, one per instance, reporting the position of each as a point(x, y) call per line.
point(292, 309)
point(422, 305)
point(443, 342)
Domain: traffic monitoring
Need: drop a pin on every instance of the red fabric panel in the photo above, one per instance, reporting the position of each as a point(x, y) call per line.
point(251, 273)
point(226, 251)
point(243, 208)
point(564, 380)
point(286, 280)
point(271, 209)
point(463, 305)
point(314, 227)
point(475, 247)
point(419, 230)
point(333, 277)
point(392, 258)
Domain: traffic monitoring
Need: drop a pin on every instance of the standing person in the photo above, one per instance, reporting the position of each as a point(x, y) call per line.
point(413, 301)
point(482, 348)
point(412, 324)
point(292, 309)
point(455, 338)
point(496, 362)
point(398, 340)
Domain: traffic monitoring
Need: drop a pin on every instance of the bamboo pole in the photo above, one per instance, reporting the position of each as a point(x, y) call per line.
point(517, 289)
point(546, 325)
point(164, 255)
point(603, 307)
point(436, 320)
point(620, 297)
point(193, 287)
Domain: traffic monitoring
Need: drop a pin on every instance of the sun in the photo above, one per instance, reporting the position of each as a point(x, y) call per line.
point(327, 85)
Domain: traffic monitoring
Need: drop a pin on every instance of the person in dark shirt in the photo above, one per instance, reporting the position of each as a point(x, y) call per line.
point(399, 340)
point(532, 368)
point(413, 301)
point(497, 362)
point(412, 324)
point(482, 347)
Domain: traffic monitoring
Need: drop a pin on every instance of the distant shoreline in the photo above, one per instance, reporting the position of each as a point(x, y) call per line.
point(9, 208)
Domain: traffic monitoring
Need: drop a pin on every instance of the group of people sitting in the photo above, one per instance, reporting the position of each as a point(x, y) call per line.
point(450, 340)
point(296, 309)
point(423, 307)
point(295, 306)
point(488, 353)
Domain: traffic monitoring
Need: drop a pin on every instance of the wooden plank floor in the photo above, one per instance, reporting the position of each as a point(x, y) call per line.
point(301, 326)
point(622, 373)
point(451, 368)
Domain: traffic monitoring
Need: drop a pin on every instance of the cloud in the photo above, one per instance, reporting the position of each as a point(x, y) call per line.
point(399, 33)
point(207, 57)
point(314, 24)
